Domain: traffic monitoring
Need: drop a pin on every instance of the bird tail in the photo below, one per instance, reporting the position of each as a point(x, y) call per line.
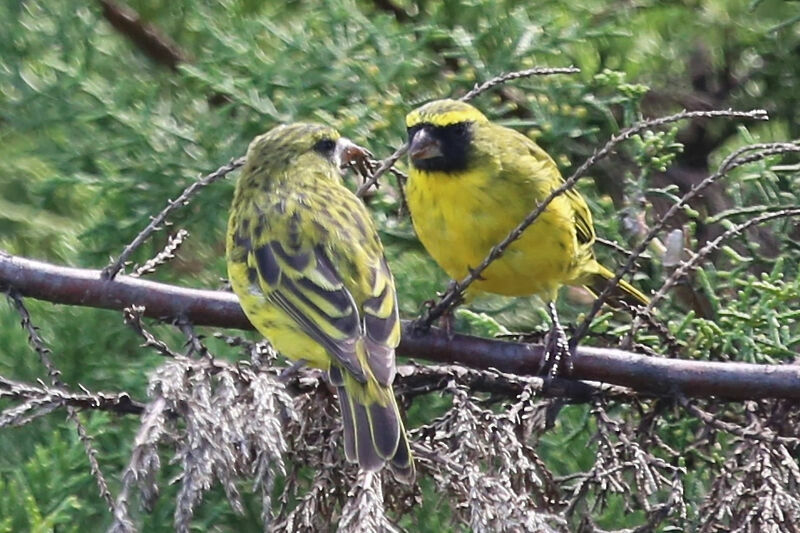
point(373, 431)
point(597, 278)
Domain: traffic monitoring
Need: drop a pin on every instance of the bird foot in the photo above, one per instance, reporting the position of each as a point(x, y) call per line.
point(446, 321)
point(291, 371)
point(557, 356)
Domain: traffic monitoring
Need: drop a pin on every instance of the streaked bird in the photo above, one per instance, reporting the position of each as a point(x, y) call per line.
point(306, 262)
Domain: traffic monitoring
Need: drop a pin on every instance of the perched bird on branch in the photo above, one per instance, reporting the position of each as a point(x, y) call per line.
point(471, 183)
point(305, 260)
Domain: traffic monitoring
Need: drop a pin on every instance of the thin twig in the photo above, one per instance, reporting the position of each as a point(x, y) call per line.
point(414, 379)
point(91, 454)
point(55, 378)
point(34, 338)
point(733, 161)
point(759, 434)
point(617, 247)
point(120, 402)
point(504, 78)
point(385, 165)
point(660, 329)
point(194, 343)
point(686, 266)
point(151, 41)
point(112, 269)
point(133, 317)
point(167, 254)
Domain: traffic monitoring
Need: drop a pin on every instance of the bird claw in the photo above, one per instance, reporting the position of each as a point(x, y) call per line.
point(365, 167)
point(557, 356)
point(359, 159)
point(291, 371)
point(446, 321)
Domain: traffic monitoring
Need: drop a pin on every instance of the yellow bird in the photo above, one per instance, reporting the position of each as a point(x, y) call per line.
point(472, 182)
point(305, 260)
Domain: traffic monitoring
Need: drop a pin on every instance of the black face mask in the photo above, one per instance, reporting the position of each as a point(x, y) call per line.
point(454, 143)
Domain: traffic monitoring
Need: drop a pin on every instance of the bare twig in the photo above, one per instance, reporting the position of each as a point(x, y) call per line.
point(167, 254)
point(660, 329)
point(504, 78)
point(152, 42)
point(112, 269)
point(133, 317)
point(385, 165)
point(55, 378)
point(758, 434)
point(34, 338)
point(688, 265)
point(119, 402)
point(733, 161)
point(415, 379)
point(617, 247)
point(194, 343)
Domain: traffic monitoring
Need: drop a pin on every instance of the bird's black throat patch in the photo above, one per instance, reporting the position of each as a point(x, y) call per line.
point(454, 141)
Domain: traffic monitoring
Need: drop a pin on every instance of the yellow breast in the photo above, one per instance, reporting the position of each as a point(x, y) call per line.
point(459, 216)
point(282, 330)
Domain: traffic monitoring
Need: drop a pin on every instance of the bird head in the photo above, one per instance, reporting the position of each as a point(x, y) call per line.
point(305, 144)
point(440, 133)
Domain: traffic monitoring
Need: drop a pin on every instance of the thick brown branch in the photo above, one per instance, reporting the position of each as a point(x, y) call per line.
point(146, 37)
point(736, 381)
point(400, 14)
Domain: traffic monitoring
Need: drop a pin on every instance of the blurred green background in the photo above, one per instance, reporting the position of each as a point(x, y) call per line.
point(95, 136)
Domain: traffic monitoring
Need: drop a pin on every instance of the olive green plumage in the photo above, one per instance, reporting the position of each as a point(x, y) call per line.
point(306, 262)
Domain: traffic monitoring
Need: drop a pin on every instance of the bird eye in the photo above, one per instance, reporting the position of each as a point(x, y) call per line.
point(325, 146)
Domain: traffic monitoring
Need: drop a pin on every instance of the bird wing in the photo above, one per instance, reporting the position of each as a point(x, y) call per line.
point(381, 323)
point(340, 292)
point(584, 228)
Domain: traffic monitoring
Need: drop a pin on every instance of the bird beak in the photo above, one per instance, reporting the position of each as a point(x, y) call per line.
point(347, 152)
point(424, 146)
